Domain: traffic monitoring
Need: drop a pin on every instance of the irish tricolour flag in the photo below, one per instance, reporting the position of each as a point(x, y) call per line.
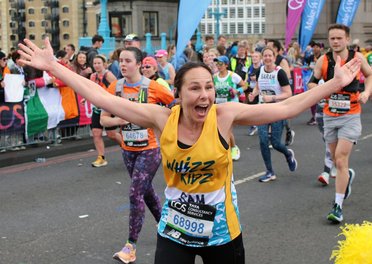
point(46, 107)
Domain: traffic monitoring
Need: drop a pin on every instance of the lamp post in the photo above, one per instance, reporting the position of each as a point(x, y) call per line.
point(217, 15)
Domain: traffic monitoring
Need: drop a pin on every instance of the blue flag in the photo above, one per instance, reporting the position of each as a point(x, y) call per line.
point(190, 12)
point(310, 18)
point(346, 12)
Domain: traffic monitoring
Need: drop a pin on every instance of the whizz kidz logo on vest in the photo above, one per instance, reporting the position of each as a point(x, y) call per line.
point(192, 172)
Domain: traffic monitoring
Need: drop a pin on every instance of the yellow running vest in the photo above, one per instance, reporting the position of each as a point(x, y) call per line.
point(202, 175)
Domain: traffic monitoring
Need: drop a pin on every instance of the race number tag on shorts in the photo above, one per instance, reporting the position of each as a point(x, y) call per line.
point(220, 100)
point(135, 136)
point(339, 103)
point(190, 223)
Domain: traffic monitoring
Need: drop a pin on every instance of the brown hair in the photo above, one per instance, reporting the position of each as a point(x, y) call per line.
point(340, 26)
point(180, 75)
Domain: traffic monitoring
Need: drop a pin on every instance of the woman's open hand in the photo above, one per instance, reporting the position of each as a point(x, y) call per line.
point(42, 59)
point(345, 74)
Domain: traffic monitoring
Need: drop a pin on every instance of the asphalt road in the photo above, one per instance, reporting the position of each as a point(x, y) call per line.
point(66, 212)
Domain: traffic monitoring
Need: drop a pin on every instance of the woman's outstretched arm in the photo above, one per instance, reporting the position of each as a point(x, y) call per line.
point(145, 115)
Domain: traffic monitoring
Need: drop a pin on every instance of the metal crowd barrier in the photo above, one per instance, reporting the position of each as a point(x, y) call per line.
point(17, 141)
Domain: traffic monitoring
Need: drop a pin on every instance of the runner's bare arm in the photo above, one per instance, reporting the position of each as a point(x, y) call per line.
point(145, 115)
point(291, 107)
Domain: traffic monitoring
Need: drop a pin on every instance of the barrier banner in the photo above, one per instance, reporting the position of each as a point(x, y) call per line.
point(298, 86)
point(12, 118)
point(346, 12)
point(309, 21)
point(294, 11)
point(306, 75)
point(85, 110)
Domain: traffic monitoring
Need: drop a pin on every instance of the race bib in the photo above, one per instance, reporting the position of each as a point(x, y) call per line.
point(135, 136)
point(190, 223)
point(221, 100)
point(339, 103)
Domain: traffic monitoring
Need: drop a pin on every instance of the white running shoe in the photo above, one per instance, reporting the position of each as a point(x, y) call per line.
point(324, 178)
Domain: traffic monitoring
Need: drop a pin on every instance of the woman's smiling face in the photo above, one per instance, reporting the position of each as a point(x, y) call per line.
point(197, 94)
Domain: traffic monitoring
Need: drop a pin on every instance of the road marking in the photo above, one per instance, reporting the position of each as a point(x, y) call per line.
point(249, 178)
point(366, 137)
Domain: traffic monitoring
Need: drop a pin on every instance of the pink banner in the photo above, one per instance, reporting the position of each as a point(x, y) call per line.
point(294, 11)
point(85, 109)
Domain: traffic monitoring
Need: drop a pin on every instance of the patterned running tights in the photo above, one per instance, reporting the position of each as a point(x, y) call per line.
point(142, 167)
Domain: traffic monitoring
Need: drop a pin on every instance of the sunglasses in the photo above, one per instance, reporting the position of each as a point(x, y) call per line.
point(146, 67)
point(220, 63)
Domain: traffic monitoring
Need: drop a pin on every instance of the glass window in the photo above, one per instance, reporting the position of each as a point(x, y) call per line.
point(150, 23)
point(44, 10)
point(224, 28)
point(65, 9)
point(44, 23)
point(202, 28)
point(263, 28)
point(31, 23)
point(224, 2)
point(209, 13)
point(121, 24)
point(43, 36)
point(66, 23)
point(13, 37)
point(249, 12)
point(232, 12)
point(66, 36)
point(263, 11)
point(31, 11)
point(249, 28)
point(256, 12)
point(232, 28)
point(31, 36)
point(12, 24)
point(240, 28)
point(209, 28)
point(240, 12)
point(256, 28)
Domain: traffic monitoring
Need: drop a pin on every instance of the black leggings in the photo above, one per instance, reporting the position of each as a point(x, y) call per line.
point(170, 252)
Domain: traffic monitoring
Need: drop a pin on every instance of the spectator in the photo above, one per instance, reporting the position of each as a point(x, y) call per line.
point(104, 78)
point(70, 49)
point(132, 40)
point(171, 52)
point(209, 42)
point(222, 41)
point(114, 65)
point(150, 70)
point(80, 65)
point(97, 42)
point(166, 69)
point(3, 71)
